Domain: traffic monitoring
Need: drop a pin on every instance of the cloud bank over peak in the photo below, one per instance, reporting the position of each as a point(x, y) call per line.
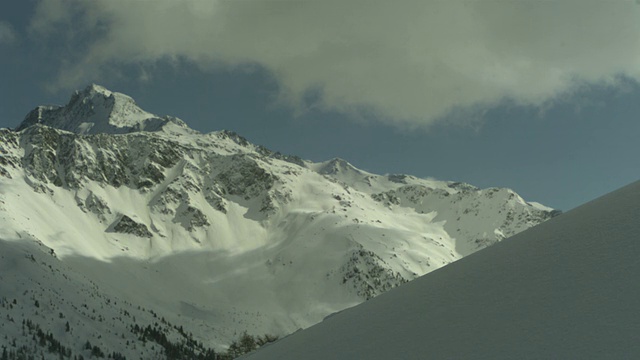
point(408, 63)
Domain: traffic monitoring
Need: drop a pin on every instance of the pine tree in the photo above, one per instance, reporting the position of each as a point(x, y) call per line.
point(247, 343)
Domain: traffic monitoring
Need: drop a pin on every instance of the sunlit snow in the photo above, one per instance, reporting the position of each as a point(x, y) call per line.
point(566, 289)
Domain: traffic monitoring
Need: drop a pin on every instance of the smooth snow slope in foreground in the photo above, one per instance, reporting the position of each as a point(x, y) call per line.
point(565, 289)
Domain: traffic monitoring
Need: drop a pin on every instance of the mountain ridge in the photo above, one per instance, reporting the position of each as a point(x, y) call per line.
point(223, 223)
point(563, 289)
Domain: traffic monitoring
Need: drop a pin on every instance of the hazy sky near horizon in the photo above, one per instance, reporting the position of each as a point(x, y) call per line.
point(539, 96)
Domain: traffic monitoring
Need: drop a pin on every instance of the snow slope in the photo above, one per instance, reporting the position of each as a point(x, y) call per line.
point(49, 309)
point(220, 235)
point(566, 289)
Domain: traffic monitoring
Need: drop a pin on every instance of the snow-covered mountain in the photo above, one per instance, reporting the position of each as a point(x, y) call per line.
point(566, 289)
point(210, 232)
point(97, 110)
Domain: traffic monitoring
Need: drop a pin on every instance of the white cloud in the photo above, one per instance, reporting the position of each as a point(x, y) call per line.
point(409, 62)
point(7, 34)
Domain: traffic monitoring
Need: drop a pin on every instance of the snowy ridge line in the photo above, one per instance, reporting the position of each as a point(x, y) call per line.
point(211, 230)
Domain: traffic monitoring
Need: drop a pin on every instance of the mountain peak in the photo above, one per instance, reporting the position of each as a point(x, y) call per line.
point(95, 88)
point(336, 166)
point(96, 109)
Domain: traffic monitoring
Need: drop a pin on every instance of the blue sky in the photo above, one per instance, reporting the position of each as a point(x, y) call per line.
point(541, 97)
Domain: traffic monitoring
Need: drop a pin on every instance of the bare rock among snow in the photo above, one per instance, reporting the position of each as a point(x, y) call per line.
point(127, 225)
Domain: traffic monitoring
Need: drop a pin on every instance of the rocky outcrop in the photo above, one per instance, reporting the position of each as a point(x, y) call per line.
point(126, 225)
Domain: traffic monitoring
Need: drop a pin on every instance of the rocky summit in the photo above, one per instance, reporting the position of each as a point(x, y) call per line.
point(146, 236)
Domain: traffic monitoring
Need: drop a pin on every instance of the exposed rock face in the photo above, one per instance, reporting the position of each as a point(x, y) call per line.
point(369, 275)
point(127, 225)
point(67, 160)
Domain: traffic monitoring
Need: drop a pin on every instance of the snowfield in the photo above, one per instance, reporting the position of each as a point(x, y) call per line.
point(212, 234)
point(565, 289)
